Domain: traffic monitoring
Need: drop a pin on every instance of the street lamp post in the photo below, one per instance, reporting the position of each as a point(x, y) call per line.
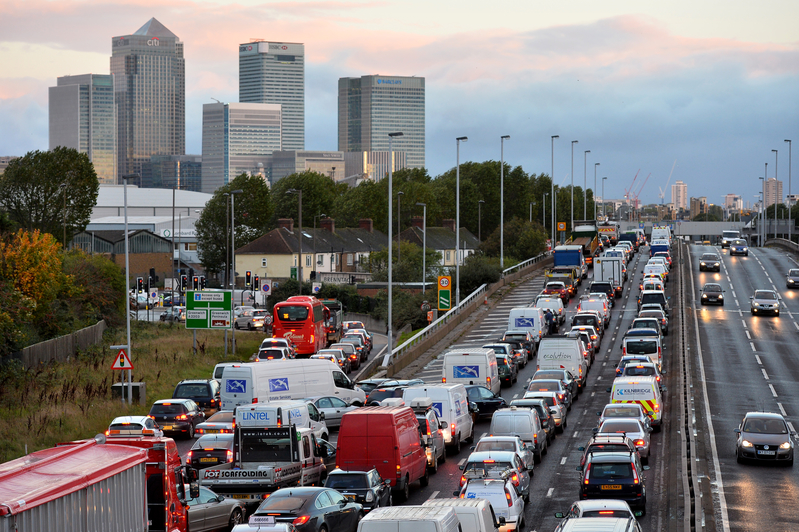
point(389, 328)
point(790, 221)
point(603, 198)
point(127, 285)
point(604, 214)
point(480, 221)
point(572, 172)
point(776, 188)
point(424, 245)
point(544, 216)
point(761, 214)
point(233, 194)
point(585, 185)
point(552, 176)
point(299, 235)
point(502, 200)
point(314, 236)
point(399, 228)
point(458, 141)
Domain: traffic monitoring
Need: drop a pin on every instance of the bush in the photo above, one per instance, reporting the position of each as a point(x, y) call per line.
point(476, 271)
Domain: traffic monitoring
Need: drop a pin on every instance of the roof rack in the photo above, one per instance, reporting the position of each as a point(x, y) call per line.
point(488, 474)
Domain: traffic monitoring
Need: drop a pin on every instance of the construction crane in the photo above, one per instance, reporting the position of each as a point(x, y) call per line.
point(666, 186)
point(627, 190)
point(639, 191)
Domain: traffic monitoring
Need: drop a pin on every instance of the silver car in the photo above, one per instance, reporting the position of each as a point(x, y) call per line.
point(623, 410)
point(210, 511)
point(659, 315)
point(556, 407)
point(633, 429)
point(765, 302)
point(507, 443)
point(792, 279)
point(333, 408)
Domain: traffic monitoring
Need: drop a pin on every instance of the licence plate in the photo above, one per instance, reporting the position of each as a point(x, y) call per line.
point(167, 427)
point(351, 497)
point(212, 431)
point(239, 496)
point(611, 487)
point(209, 460)
point(767, 452)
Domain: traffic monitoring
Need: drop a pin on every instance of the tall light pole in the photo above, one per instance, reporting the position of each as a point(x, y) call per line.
point(544, 216)
point(458, 218)
point(604, 214)
point(585, 184)
point(127, 285)
point(389, 328)
point(299, 234)
point(552, 176)
point(762, 210)
point(790, 221)
point(314, 237)
point(399, 228)
point(502, 200)
point(571, 227)
point(765, 201)
point(776, 188)
point(603, 198)
point(480, 221)
point(424, 245)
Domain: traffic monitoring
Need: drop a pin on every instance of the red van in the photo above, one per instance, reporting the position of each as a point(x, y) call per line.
point(385, 438)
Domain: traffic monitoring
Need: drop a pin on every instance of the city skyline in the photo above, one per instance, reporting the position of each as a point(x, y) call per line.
point(638, 85)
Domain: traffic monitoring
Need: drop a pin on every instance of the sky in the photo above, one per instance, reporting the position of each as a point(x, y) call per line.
point(700, 91)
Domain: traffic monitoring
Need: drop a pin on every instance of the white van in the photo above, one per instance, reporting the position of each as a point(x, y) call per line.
point(555, 304)
point(475, 515)
point(530, 319)
point(410, 519)
point(471, 366)
point(560, 352)
point(642, 390)
point(657, 269)
point(640, 342)
point(259, 382)
point(452, 405)
point(302, 414)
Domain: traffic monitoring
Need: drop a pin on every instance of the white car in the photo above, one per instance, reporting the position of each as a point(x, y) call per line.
point(597, 508)
point(633, 429)
point(134, 426)
point(497, 488)
point(623, 410)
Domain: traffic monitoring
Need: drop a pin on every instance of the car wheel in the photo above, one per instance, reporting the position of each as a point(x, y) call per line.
point(434, 468)
point(537, 458)
point(645, 460)
point(738, 458)
point(643, 509)
point(235, 325)
point(425, 480)
point(456, 449)
point(236, 518)
point(559, 430)
point(191, 431)
point(406, 491)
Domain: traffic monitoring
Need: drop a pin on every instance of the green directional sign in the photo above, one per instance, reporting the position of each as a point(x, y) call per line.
point(444, 300)
point(208, 309)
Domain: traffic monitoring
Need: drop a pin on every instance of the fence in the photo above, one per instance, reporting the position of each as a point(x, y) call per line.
point(61, 348)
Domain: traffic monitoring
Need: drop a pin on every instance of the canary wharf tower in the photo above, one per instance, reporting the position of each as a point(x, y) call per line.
point(150, 96)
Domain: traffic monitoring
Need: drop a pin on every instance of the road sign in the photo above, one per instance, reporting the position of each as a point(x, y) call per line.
point(444, 282)
point(425, 306)
point(122, 361)
point(561, 226)
point(316, 287)
point(208, 309)
point(444, 300)
point(266, 285)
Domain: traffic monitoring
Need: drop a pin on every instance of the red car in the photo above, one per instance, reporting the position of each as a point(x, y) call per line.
point(557, 288)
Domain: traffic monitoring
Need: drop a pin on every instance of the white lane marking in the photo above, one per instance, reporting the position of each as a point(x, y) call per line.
point(516, 395)
point(765, 375)
point(605, 363)
point(782, 410)
point(609, 349)
point(748, 336)
point(593, 394)
point(757, 357)
point(433, 495)
point(599, 378)
point(733, 294)
point(796, 325)
point(563, 460)
point(461, 462)
point(773, 391)
point(550, 491)
point(574, 434)
point(744, 322)
point(790, 426)
point(753, 346)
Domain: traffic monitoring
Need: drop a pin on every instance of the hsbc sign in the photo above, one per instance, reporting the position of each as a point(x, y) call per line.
point(278, 47)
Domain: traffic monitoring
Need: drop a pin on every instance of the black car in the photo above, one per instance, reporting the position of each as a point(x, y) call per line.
point(204, 392)
point(312, 509)
point(378, 394)
point(487, 401)
point(508, 372)
point(177, 416)
point(211, 450)
point(764, 436)
point(365, 487)
point(605, 287)
point(709, 262)
point(540, 406)
point(370, 384)
point(614, 476)
point(712, 293)
point(525, 338)
point(359, 344)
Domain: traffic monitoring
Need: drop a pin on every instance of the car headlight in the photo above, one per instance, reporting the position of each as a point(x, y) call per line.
point(721, 296)
point(786, 445)
point(746, 443)
point(701, 263)
point(370, 496)
point(790, 281)
point(704, 296)
point(756, 304)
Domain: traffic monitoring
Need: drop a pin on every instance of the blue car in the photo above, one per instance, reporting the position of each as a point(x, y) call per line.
point(739, 247)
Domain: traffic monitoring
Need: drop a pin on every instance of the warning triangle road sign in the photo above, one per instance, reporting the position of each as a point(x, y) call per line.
point(122, 361)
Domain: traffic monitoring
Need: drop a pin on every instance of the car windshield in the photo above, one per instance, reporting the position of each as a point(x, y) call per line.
point(556, 286)
point(495, 446)
point(765, 426)
point(544, 374)
point(221, 417)
point(642, 347)
point(644, 324)
point(488, 465)
point(270, 353)
point(498, 349)
point(188, 391)
point(545, 386)
point(620, 411)
point(709, 256)
point(214, 441)
point(739, 243)
point(379, 394)
point(610, 471)
point(765, 294)
point(620, 426)
point(167, 409)
point(712, 288)
point(650, 314)
point(354, 481)
point(652, 298)
point(793, 273)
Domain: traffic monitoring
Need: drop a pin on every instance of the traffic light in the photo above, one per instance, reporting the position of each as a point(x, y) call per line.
point(139, 285)
point(312, 275)
point(153, 276)
point(256, 283)
point(195, 283)
point(248, 278)
point(184, 282)
point(202, 282)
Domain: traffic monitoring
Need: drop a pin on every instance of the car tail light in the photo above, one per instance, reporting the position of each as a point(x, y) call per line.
point(452, 429)
point(508, 498)
point(188, 456)
point(279, 422)
point(399, 473)
point(657, 407)
point(301, 520)
point(229, 456)
point(623, 350)
point(444, 380)
point(463, 481)
point(151, 417)
point(182, 416)
point(560, 396)
point(606, 512)
point(587, 473)
point(640, 443)
point(515, 479)
point(635, 476)
point(254, 400)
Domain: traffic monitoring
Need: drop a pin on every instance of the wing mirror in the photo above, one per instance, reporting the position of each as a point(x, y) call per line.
point(737, 431)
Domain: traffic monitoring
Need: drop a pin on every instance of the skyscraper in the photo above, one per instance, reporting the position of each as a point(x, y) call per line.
point(82, 117)
point(150, 86)
point(773, 191)
point(274, 72)
point(679, 195)
point(371, 107)
point(238, 138)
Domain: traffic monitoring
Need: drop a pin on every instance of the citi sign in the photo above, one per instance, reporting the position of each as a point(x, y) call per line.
point(154, 42)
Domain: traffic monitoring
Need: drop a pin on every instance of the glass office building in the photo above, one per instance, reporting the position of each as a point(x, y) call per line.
point(274, 72)
point(183, 172)
point(238, 138)
point(371, 107)
point(150, 87)
point(82, 117)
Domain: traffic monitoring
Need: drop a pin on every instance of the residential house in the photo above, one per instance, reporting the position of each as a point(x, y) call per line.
point(441, 239)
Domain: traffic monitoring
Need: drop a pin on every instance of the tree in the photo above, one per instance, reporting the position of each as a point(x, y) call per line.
point(253, 218)
point(523, 240)
point(409, 269)
point(319, 192)
point(35, 187)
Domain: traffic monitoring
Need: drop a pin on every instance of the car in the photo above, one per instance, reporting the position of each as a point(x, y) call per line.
point(593, 334)
point(496, 486)
point(633, 429)
point(430, 431)
point(278, 342)
point(379, 394)
point(506, 443)
point(487, 401)
point(174, 314)
point(659, 315)
point(595, 304)
point(525, 337)
point(606, 508)
point(556, 407)
point(712, 293)
point(179, 300)
point(210, 450)
point(333, 408)
point(273, 353)
point(351, 352)
point(544, 414)
point(210, 511)
point(643, 369)
point(651, 283)
point(507, 369)
point(630, 359)
point(336, 356)
point(617, 475)
point(251, 319)
point(365, 487)
point(602, 296)
point(238, 310)
point(764, 436)
point(140, 302)
point(367, 339)
point(646, 323)
point(480, 463)
point(563, 375)
point(312, 509)
point(177, 416)
point(357, 341)
point(126, 426)
point(347, 325)
point(204, 392)
point(557, 288)
point(587, 345)
point(367, 385)
point(220, 423)
point(710, 262)
point(765, 302)
point(554, 304)
point(518, 352)
point(792, 278)
point(739, 247)
point(623, 410)
point(552, 385)
point(665, 255)
point(608, 288)
point(652, 306)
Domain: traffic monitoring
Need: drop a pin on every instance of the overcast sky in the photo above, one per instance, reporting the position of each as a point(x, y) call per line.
point(711, 85)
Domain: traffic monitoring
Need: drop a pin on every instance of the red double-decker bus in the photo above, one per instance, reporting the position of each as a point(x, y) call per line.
point(301, 320)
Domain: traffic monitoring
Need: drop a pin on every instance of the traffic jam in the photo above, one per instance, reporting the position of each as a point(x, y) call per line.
point(546, 416)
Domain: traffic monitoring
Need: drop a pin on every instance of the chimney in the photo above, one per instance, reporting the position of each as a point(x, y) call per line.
point(329, 224)
point(286, 223)
point(417, 221)
point(366, 223)
point(449, 223)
